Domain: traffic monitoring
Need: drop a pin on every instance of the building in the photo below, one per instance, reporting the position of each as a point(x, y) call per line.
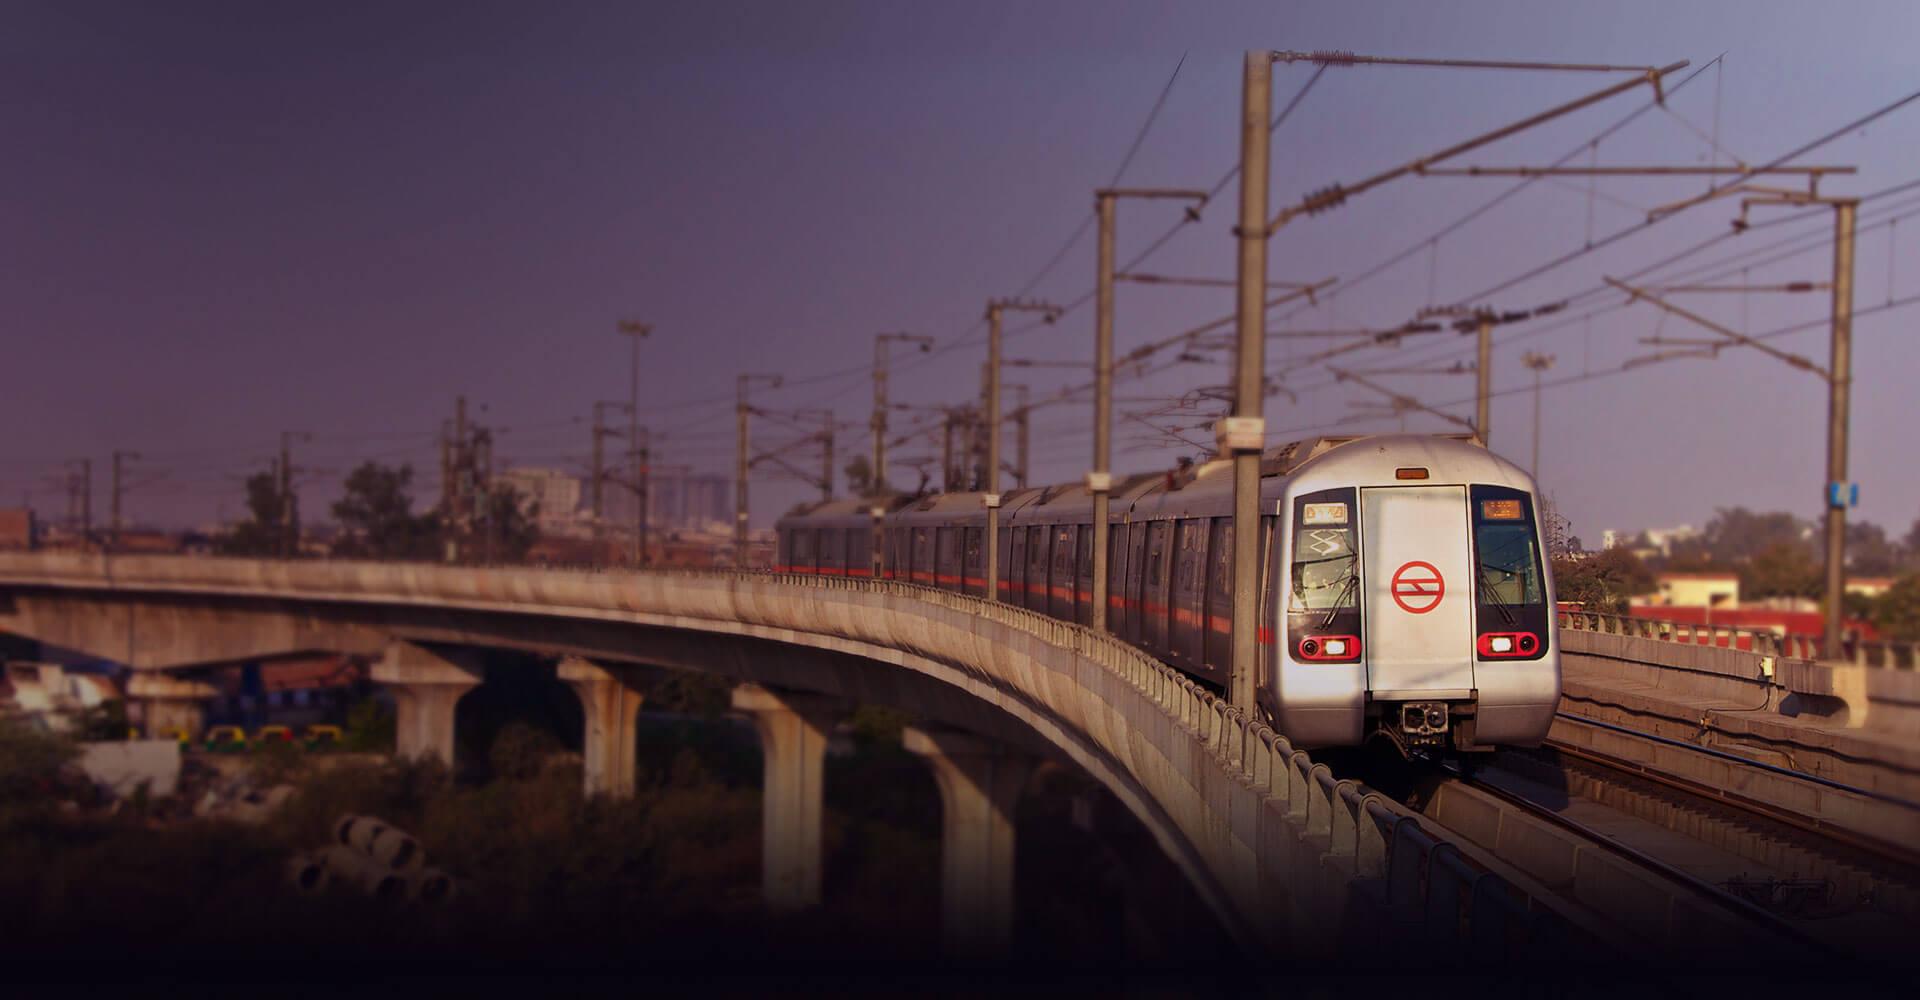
point(1659, 541)
point(1697, 590)
point(18, 529)
point(1869, 586)
point(47, 692)
point(556, 491)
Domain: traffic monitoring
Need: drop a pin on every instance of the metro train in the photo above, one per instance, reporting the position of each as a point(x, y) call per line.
point(1417, 606)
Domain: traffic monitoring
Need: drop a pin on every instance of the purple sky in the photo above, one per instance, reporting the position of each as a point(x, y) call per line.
point(226, 220)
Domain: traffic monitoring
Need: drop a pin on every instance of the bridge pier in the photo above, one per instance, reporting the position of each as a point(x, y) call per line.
point(793, 732)
point(426, 686)
point(167, 702)
point(980, 785)
point(611, 706)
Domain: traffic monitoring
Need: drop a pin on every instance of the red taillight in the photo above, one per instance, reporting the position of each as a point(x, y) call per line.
point(1329, 648)
point(1500, 645)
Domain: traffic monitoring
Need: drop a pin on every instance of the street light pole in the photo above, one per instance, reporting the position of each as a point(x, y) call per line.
point(637, 454)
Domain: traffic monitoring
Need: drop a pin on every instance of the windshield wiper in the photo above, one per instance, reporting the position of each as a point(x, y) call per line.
point(1486, 595)
point(1340, 599)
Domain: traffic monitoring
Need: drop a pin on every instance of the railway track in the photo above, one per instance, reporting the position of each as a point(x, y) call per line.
point(1678, 866)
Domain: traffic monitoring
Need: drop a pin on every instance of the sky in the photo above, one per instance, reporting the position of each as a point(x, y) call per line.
point(221, 221)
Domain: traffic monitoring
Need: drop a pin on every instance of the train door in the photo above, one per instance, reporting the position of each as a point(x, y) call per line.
point(973, 561)
point(923, 556)
point(1219, 631)
point(1083, 574)
point(1037, 552)
point(945, 559)
point(1418, 580)
point(1117, 616)
point(1060, 582)
point(1013, 564)
point(1153, 587)
point(1185, 626)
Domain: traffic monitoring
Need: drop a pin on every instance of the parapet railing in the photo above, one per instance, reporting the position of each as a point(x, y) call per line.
point(1430, 887)
point(1428, 883)
point(1891, 654)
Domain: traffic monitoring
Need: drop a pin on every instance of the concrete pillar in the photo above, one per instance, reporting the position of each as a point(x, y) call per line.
point(426, 685)
point(611, 706)
point(980, 785)
point(793, 742)
point(167, 702)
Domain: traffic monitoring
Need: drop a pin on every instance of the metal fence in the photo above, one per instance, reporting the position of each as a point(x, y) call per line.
point(1891, 654)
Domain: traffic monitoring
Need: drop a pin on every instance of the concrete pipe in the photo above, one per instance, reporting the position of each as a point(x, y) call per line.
point(432, 886)
point(357, 832)
point(355, 868)
point(309, 873)
point(395, 851)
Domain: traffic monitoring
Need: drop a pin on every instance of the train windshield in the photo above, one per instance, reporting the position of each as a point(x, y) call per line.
point(1326, 565)
point(1504, 538)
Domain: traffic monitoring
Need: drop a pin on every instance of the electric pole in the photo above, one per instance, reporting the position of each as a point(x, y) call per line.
point(637, 331)
point(1244, 435)
point(996, 308)
point(742, 410)
point(644, 500)
point(1537, 363)
point(120, 458)
point(597, 489)
point(880, 342)
point(1100, 477)
point(80, 499)
point(1483, 378)
point(1839, 389)
point(289, 509)
point(1021, 426)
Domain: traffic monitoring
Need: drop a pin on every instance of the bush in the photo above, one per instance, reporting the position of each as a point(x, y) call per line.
point(369, 728)
point(521, 751)
point(31, 760)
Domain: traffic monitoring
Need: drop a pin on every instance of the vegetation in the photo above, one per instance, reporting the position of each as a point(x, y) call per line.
point(377, 519)
point(264, 531)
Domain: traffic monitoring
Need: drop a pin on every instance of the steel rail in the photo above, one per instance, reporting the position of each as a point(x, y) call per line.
point(1722, 898)
point(1883, 849)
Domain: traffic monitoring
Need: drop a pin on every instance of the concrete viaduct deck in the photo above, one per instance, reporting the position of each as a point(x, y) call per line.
point(1292, 860)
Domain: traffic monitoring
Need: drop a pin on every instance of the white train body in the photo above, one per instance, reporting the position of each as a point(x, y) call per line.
point(1404, 585)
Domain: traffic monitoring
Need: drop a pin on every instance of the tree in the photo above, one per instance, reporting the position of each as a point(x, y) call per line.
point(860, 481)
point(508, 526)
point(1897, 613)
point(264, 530)
point(377, 519)
point(1869, 551)
point(1737, 534)
point(1604, 581)
point(1782, 569)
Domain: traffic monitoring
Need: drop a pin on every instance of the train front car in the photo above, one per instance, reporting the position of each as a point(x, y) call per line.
point(1416, 602)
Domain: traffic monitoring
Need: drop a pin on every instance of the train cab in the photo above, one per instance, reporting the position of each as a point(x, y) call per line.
point(1415, 600)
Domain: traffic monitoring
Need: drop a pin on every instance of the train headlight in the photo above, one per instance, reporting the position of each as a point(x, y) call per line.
point(1501, 644)
point(1336, 647)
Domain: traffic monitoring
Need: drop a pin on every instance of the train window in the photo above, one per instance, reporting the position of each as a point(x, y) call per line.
point(1156, 554)
point(1084, 549)
point(1222, 560)
point(1503, 534)
point(803, 550)
point(832, 547)
point(1326, 565)
point(972, 558)
point(1036, 567)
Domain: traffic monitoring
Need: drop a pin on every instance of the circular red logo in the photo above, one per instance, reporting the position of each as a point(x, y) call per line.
point(1417, 587)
